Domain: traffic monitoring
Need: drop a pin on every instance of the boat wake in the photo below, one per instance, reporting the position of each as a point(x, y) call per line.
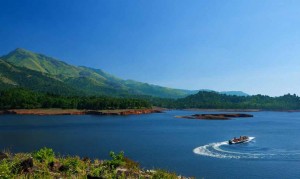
point(241, 151)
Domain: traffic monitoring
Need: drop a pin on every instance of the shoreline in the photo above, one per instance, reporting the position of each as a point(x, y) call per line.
point(120, 112)
point(54, 111)
point(224, 110)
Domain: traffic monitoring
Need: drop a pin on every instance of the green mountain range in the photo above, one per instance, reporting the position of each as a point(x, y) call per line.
point(20, 67)
point(23, 68)
point(12, 76)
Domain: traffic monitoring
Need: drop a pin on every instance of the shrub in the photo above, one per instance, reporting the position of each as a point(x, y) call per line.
point(96, 171)
point(130, 164)
point(117, 160)
point(74, 165)
point(44, 155)
point(5, 169)
point(164, 174)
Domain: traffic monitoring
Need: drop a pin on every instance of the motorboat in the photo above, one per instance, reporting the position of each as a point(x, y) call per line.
point(242, 139)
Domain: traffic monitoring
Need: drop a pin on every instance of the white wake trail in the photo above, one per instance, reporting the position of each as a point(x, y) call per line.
point(214, 150)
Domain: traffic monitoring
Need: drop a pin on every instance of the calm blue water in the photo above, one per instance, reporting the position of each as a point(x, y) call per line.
point(188, 147)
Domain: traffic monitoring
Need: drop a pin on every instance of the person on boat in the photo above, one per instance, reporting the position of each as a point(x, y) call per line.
point(235, 139)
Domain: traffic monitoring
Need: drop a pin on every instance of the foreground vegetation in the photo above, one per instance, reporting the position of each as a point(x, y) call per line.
point(46, 164)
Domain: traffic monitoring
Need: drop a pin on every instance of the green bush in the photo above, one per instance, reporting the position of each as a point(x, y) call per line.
point(74, 165)
point(96, 171)
point(44, 155)
point(117, 160)
point(5, 169)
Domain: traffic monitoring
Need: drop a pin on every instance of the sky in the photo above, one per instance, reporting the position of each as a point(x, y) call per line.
point(251, 46)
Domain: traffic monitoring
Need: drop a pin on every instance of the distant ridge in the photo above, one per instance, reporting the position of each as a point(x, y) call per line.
point(234, 93)
point(230, 93)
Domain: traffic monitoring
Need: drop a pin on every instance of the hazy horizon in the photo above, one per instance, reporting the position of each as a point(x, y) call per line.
point(229, 46)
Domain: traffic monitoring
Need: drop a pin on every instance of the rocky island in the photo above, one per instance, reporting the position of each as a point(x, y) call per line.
point(226, 116)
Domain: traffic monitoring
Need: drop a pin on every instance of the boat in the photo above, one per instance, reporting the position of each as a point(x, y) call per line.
point(242, 139)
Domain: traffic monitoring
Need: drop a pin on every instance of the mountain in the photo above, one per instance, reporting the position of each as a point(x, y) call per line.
point(12, 76)
point(47, 71)
point(38, 62)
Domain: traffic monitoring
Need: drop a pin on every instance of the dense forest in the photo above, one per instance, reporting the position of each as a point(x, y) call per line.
point(213, 100)
point(18, 98)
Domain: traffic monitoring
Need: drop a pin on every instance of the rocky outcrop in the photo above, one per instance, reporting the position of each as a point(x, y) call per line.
point(26, 165)
point(54, 166)
point(216, 116)
point(2, 156)
point(7, 112)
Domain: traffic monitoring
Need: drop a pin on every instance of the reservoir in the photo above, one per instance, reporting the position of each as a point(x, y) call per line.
point(188, 147)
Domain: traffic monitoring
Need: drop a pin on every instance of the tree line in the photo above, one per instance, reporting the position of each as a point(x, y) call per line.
point(214, 100)
point(17, 98)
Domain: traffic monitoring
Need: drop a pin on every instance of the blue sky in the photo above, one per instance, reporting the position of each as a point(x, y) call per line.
point(252, 46)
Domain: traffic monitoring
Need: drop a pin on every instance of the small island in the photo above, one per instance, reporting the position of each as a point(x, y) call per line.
point(226, 116)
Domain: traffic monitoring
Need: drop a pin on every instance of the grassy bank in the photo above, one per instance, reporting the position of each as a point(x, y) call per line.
point(46, 164)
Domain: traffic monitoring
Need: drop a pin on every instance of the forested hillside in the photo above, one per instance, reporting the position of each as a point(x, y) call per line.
point(213, 100)
point(88, 80)
point(32, 80)
point(25, 99)
point(14, 77)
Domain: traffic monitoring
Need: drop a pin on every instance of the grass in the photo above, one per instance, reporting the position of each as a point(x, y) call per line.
point(44, 163)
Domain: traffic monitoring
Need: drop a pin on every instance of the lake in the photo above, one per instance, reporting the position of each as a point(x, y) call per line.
point(188, 147)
